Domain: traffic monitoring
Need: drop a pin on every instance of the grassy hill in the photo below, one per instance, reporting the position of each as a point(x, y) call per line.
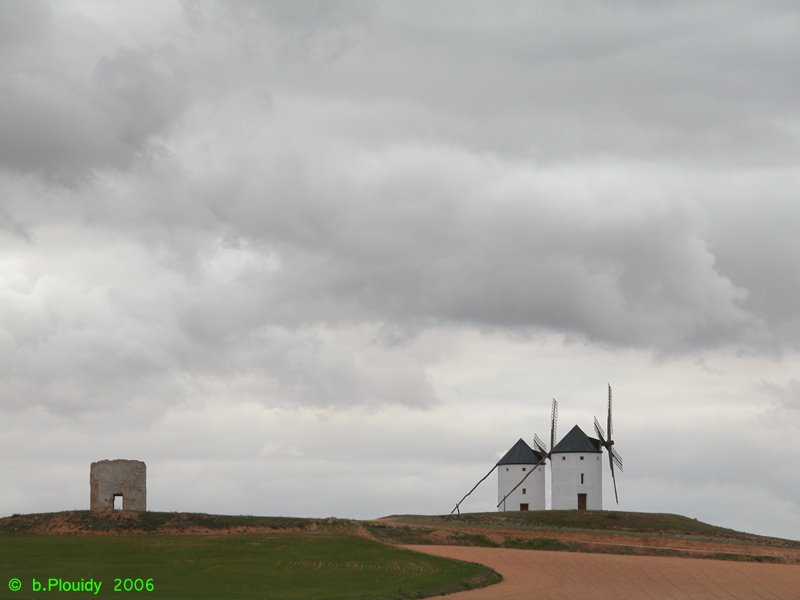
point(590, 531)
point(196, 556)
point(605, 520)
point(84, 521)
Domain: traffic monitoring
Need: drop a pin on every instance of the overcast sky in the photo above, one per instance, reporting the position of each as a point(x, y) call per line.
point(335, 257)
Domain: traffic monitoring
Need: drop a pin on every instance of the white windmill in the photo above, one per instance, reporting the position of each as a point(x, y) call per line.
point(520, 474)
point(520, 479)
point(531, 476)
point(576, 468)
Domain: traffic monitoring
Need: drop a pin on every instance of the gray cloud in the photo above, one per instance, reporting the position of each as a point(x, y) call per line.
point(272, 205)
point(66, 114)
point(314, 31)
point(22, 22)
point(338, 224)
point(554, 84)
point(140, 93)
point(754, 238)
point(531, 255)
point(60, 131)
point(786, 398)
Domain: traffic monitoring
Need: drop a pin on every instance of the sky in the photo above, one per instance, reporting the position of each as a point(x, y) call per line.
point(333, 258)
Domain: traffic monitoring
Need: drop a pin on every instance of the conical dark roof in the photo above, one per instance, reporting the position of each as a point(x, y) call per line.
point(520, 454)
point(576, 441)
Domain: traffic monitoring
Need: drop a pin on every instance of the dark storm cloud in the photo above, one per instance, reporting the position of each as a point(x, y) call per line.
point(67, 113)
point(139, 91)
point(422, 245)
point(676, 81)
point(756, 240)
point(280, 225)
point(536, 169)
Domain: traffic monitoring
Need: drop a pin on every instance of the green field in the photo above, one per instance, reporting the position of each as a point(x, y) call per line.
point(230, 557)
point(247, 566)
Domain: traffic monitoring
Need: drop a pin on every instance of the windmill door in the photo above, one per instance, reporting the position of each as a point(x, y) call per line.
point(581, 501)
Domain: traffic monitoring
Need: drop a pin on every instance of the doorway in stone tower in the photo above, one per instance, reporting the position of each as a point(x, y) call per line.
point(581, 501)
point(117, 501)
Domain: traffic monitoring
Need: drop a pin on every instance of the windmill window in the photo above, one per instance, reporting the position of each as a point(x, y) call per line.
point(524, 490)
point(563, 458)
point(581, 458)
point(581, 478)
point(523, 468)
point(506, 468)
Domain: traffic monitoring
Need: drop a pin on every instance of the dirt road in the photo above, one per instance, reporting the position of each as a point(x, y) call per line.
point(540, 575)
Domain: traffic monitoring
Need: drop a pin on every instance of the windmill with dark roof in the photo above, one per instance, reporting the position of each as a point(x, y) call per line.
point(577, 472)
point(520, 474)
point(513, 470)
point(515, 460)
point(576, 468)
point(520, 479)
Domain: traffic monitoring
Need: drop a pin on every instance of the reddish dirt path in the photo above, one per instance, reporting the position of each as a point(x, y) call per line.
point(540, 575)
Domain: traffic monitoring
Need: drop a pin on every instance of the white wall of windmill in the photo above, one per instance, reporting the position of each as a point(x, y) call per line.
point(566, 482)
point(531, 492)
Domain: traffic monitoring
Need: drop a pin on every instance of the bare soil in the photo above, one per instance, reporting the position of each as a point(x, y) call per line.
point(545, 575)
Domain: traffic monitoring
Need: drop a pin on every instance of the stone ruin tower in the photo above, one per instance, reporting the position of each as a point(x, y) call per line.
point(112, 479)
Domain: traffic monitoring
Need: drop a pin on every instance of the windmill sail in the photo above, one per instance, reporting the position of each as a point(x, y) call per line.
point(608, 443)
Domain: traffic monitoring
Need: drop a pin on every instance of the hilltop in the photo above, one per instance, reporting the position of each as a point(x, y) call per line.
point(612, 532)
point(128, 522)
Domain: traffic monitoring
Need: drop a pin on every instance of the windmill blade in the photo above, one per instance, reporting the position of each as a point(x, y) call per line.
point(609, 413)
point(613, 478)
point(615, 457)
point(553, 424)
point(539, 445)
point(472, 490)
point(600, 433)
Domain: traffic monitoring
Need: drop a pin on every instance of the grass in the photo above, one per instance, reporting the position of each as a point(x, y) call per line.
point(279, 566)
point(536, 544)
point(153, 522)
point(573, 519)
point(289, 557)
point(611, 532)
point(472, 539)
point(629, 523)
point(399, 534)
